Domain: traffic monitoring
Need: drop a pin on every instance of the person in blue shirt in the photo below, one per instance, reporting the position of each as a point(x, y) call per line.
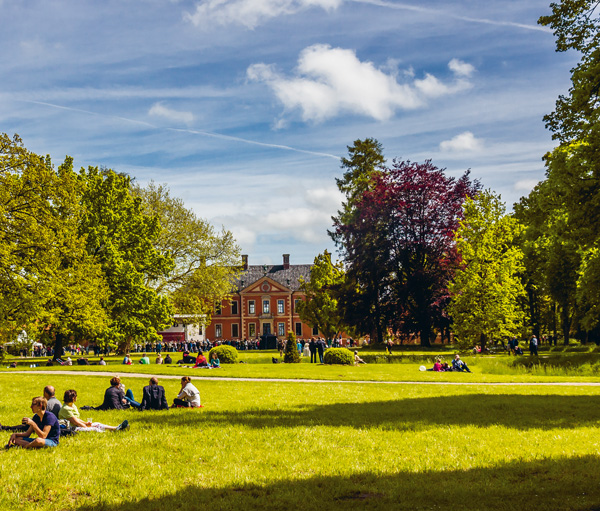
point(44, 424)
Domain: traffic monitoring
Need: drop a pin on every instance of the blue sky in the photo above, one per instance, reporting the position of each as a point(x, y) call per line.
point(244, 107)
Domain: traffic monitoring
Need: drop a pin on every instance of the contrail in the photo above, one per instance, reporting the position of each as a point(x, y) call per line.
point(184, 130)
point(408, 7)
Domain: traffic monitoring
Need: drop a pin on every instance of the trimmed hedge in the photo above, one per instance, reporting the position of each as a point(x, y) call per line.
point(339, 356)
point(226, 354)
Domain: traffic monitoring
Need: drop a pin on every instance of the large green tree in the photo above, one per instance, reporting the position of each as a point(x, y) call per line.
point(121, 237)
point(205, 260)
point(49, 285)
point(487, 291)
point(321, 309)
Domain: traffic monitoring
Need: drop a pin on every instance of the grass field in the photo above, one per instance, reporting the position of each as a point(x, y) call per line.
point(298, 445)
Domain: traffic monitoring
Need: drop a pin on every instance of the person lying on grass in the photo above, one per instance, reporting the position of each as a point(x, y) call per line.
point(44, 424)
point(459, 365)
point(154, 396)
point(189, 395)
point(69, 417)
point(357, 359)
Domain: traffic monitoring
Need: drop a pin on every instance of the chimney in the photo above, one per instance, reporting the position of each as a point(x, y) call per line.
point(286, 261)
point(245, 262)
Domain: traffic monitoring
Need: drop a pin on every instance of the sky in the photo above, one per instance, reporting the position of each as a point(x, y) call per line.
point(243, 108)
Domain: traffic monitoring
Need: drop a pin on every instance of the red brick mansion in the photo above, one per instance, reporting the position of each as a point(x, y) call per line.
point(263, 302)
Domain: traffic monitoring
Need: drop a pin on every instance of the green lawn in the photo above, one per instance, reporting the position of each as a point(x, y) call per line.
point(281, 445)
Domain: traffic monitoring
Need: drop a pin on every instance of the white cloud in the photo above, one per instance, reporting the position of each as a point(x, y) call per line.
point(460, 68)
point(333, 80)
point(159, 110)
point(525, 185)
point(465, 142)
point(250, 13)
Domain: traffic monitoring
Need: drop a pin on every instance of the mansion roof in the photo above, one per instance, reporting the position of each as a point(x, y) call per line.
point(286, 276)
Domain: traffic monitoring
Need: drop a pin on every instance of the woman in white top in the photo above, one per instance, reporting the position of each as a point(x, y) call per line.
point(189, 396)
point(306, 350)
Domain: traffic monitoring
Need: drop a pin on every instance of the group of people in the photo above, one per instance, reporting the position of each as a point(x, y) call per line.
point(51, 418)
point(199, 360)
point(457, 365)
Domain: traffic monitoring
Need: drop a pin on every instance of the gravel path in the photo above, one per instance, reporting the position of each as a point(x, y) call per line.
point(298, 380)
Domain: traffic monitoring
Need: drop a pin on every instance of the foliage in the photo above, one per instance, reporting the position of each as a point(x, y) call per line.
point(320, 309)
point(121, 237)
point(338, 356)
point(47, 277)
point(225, 353)
point(487, 290)
point(291, 355)
point(206, 261)
point(399, 249)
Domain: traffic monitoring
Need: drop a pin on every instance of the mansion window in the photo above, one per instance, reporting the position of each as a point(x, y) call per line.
point(251, 307)
point(218, 330)
point(315, 330)
point(266, 306)
point(280, 307)
point(299, 329)
point(218, 309)
point(280, 329)
point(296, 301)
point(234, 308)
point(252, 330)
point(235, 330)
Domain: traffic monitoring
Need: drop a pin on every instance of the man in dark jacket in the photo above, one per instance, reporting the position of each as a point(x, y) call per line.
point(154, 396)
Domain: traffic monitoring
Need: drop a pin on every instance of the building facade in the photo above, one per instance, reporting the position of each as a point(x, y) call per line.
point(264, 302)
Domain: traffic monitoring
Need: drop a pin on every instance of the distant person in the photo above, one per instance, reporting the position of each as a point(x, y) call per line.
point(357, 359)
point(533, 346)
point(201, 361)
point(102, 362)
point(154, 396)
point(145, 359)
point(168, 359)
point(127, 360)
point(459, 365)
point(189, 395)
point(159, 359)
point(389, 345)
point(43, 424)
point(312, 345)
point(214, 360)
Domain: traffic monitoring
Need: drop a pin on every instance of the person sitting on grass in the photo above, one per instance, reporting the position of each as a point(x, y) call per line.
point(52, 404)
point(159, 359)
point(201, 361)
point(189, 395)
point(127, 360)
point(518, 350)
point(154, 396)
point(43, 424)
point(168, 359)
point(114, 397)
point(102, 362)
point(459, 365)
point(357, 359)
point(214, 360)
point(145, 359)
point(69, 417)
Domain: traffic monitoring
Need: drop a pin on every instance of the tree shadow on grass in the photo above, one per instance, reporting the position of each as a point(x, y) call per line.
point(482, 410)
point(546, 484)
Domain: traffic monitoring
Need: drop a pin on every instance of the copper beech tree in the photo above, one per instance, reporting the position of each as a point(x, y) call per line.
point(399, 247)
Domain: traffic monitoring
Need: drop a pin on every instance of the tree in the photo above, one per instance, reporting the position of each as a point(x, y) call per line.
point(320, 309)
point(359, 295)
point(121, 238)
point(399, 248)
point(49, 285)
point(291, 355)
point(487, 290)
point(205, 261)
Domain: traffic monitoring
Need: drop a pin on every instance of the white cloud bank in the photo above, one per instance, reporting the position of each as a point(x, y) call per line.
point(250, 13)
point(330, 81)
point(159, 110)
point(465, 142)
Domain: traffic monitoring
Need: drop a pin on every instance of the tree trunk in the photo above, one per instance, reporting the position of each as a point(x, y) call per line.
point(565, 324)
point(59, 340)
point(482, 342)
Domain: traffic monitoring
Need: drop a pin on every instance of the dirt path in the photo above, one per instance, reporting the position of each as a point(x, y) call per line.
point(298, 380)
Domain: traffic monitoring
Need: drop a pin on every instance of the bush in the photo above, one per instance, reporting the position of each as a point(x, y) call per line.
point(226, 354)
point(339, 356)
point(291, 355)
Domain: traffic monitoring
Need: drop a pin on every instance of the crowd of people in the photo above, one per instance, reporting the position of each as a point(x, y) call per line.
point(458, 365)
point(51, 419)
